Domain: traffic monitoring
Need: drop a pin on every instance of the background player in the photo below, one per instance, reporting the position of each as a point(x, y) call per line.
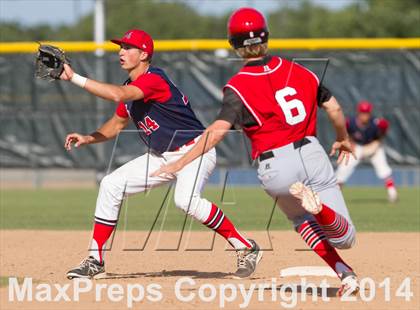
point(275, 102)
point(169, 127)
point(367, 134)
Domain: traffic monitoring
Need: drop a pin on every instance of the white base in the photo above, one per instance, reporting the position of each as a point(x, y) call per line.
point(301, 271)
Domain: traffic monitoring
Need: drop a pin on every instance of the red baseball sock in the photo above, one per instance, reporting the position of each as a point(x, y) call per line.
point(333, 224)
point(224, 227)
point(101, 233)
point(389, 182)
point(313, 235)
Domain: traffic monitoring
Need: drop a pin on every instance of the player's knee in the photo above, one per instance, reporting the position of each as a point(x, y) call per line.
point(185, 203)
point(194, 206)
point(299, 220)
point(383, 173)
point(110, 183)
point(107, 182)
point(346, 242)
point(109, 197)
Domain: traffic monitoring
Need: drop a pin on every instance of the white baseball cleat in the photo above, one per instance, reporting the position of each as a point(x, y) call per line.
point(310, 199)
point(392, 194)
point(349, 284)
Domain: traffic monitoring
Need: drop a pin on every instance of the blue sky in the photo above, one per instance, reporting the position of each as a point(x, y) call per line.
point(55, 12)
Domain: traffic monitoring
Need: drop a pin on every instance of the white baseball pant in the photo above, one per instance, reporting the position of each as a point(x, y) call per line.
point(377, 159)
point(310, 165)
point(133, 177)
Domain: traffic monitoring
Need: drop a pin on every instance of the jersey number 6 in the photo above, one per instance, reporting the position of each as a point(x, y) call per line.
point(288, 106)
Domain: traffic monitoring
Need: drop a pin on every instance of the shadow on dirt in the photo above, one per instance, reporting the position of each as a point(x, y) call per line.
point(195, 274)
point(331, 291)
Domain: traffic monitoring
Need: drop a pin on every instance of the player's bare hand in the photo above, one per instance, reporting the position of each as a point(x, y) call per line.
point(345, 149)
point(167, 171)
point(67, 73)
point(76, 139)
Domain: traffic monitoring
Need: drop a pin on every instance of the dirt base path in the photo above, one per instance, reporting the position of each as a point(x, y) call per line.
point(196, 277)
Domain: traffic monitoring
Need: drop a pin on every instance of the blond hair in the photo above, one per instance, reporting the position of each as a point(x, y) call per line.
point(252, 51)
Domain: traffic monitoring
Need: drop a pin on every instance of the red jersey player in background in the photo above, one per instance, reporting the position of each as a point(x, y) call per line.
point(367, 133)
point(275, 102)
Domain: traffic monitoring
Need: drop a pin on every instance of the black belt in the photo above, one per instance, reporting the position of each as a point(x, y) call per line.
point(296, 145)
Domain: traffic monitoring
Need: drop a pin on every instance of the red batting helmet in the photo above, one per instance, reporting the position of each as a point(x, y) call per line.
point(364, 107)
point(247, 26)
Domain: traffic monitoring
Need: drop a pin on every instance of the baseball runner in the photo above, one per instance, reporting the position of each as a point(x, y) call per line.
point(169, 127)
point(275, 102)
point(367, 133)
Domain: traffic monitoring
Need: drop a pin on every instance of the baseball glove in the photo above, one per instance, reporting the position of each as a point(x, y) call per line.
point(50, 62)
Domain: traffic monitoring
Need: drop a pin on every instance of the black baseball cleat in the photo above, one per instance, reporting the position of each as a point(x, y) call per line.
point(89, 268)
point(248, 260)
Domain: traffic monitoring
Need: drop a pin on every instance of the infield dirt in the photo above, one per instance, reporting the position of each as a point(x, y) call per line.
point(45, 256)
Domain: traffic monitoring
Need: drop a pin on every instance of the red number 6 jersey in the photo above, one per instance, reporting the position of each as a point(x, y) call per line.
point(282, 97)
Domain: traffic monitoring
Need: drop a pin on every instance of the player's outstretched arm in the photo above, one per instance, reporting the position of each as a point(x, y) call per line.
point(106, 91)
point(209, 139)
point(107, 131)
point(342, 145)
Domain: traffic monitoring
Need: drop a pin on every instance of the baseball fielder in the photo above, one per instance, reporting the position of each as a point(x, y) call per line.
point(169, 127)
point(275, 102)
point(367, 133)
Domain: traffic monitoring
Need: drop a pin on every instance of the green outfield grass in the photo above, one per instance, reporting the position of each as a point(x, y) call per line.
point(4, 281)
point(249, 208)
